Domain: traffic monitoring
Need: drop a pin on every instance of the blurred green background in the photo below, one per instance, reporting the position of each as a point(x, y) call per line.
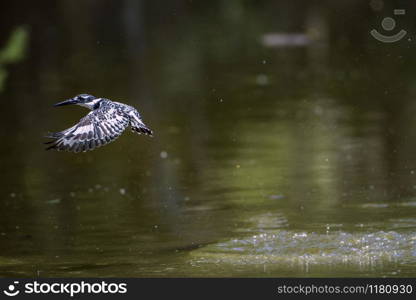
point(284, 139)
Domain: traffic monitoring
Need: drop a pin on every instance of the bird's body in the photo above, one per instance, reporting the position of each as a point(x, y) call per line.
point(106, 122)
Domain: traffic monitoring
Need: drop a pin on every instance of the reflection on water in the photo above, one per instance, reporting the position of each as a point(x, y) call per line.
point(266, 161)
point(13, 51)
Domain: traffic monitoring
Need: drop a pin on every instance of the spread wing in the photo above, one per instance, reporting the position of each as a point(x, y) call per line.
point(96, 129)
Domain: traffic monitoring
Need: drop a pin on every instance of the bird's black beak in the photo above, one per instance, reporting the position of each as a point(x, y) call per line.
point(66, 102)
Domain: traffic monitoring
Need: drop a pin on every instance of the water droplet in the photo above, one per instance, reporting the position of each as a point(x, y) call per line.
point(163, 154)
point(262, 79)
point(54, 201)
point(276, 197)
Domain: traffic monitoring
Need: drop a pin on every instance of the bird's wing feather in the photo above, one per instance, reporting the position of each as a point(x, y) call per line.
point(94, 130)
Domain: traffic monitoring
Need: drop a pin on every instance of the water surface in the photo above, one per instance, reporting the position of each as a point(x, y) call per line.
point(287, 161)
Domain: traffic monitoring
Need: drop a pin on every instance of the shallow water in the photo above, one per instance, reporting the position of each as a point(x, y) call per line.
point(265, 161)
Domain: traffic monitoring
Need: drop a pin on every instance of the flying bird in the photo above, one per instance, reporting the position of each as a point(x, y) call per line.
point(106, 122)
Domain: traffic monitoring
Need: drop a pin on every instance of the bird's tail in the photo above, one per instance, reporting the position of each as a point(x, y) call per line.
point(141, 128)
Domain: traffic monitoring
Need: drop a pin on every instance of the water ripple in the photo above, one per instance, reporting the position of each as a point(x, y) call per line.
point(305, 248)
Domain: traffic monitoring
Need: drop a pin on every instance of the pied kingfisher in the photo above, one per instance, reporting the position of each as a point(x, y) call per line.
point(106, 122)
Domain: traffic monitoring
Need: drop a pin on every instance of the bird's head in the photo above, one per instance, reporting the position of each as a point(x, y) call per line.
point(85, 100)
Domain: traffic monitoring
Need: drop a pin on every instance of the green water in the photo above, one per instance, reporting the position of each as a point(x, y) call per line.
point(266, 162)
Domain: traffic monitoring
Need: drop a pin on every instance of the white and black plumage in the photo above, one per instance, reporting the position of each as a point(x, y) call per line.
point(105, 123)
